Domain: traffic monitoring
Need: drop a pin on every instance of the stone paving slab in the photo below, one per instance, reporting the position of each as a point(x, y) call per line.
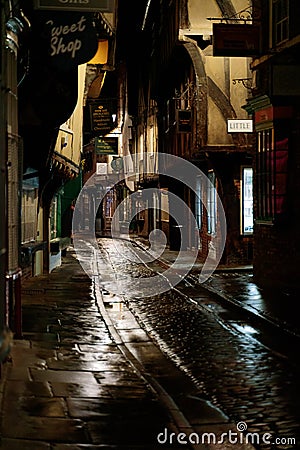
point(85, 366)
point(80, 390)
point(49, 429)
point(126, 431)
point(27, 388)
point(25, 444)
point(41, 406)
point(66, 376)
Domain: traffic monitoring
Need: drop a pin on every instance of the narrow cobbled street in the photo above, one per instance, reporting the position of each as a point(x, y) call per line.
point(238, 374)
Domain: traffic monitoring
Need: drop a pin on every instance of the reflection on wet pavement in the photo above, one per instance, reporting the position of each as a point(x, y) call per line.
point(238, 374)
point(68, 385)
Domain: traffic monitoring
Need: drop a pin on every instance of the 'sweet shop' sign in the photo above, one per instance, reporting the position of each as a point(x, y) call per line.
point(72, 39)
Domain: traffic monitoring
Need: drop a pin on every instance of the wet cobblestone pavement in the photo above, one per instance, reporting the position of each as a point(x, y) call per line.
point(68, 386)
point(273, 304)
point(244, 378)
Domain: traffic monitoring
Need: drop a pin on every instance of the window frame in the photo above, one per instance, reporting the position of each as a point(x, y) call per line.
point(211, 203)
point(280, 21)
point(198, 202)
point(242, 197)
point(271, 174)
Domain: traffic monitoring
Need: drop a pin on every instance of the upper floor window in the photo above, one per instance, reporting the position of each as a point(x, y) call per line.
point(280, 14)
point(272, 169)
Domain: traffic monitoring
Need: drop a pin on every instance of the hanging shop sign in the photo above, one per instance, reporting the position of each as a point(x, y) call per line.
point(239, 126)
point(236, 39)
point(101, 168)
point(117, 164)
point(106, 146)
point(101, 114)
point(76, 5)
point(184, 120)
point(69, 39)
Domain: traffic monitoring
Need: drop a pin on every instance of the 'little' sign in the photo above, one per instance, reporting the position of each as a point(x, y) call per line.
point(239, 126)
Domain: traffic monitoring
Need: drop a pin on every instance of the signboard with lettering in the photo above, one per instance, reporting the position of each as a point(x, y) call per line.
point(101, 168)
point(69, 39)
point(102, 116)
point(184, 120)
point(239, 126)
point(106, 146)
point(76, 5)
point(236, 39)
point(117, 164)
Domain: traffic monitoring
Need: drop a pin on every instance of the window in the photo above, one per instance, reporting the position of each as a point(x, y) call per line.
point(53, 218)
point(280, 21)
point(272, 166)
point(211, 203)
point(247, 201)
point(198, 203)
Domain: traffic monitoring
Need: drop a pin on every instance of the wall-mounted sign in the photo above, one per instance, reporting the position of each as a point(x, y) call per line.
point(106, 146)
point(101, 168)
point(117, 164)
point(236, 39)
point(101, 113)
point(76, 5)
point(70, 38)
point(239, 126)
point(265, 116)
point(184, 120)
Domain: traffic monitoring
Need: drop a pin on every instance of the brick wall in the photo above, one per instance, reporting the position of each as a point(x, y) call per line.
point(276, 260)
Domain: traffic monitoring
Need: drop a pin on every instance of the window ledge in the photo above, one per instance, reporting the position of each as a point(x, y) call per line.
point(268, 222)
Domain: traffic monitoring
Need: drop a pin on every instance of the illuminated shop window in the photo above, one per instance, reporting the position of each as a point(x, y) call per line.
point(211, 203)
point(198, 203)
point(247, 200)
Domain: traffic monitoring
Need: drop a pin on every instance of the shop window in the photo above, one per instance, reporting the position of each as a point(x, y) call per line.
point(280, 12)
point(29, 215)
point(272, 166)
point(211, 203)
point(53, 219)
point(247, 201)
point(198, 203)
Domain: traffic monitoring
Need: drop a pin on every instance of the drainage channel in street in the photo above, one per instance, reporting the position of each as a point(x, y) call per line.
point(113, 309)
point(167, 381)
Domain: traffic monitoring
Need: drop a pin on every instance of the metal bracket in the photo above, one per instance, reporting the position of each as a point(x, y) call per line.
point(246, 82)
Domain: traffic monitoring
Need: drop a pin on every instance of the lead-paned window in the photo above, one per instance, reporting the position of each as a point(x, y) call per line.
point(280, 13)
